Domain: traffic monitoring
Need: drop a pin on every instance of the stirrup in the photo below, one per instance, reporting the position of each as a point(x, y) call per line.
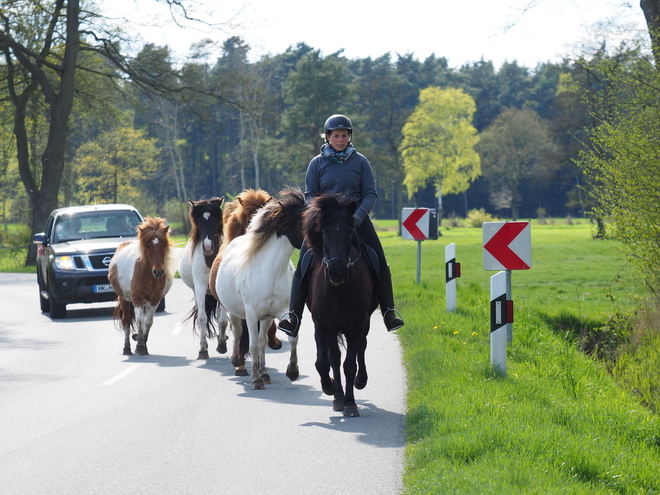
point(397, 316)
point(290, 328)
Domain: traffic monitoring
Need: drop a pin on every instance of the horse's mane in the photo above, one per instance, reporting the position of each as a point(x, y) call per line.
point(157, 228)
point(276, 216)
point(197, 210)
point(324, 210)
point(238, 213)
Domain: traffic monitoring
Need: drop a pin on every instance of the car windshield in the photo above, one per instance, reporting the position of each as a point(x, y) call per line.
point(96, 225)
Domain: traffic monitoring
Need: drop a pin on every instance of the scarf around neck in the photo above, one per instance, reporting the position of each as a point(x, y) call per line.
point(329, 152)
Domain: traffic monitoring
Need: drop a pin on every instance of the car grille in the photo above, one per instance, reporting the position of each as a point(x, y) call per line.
point(92, 261)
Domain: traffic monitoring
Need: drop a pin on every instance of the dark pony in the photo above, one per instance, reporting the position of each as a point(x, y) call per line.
point(342, 296)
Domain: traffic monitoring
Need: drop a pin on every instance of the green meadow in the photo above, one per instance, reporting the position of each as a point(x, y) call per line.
point(558, 421)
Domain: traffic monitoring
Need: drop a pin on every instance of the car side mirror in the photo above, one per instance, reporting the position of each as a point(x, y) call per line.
point(39, 238)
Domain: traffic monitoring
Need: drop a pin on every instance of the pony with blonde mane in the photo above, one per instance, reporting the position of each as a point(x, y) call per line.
point(141, 273)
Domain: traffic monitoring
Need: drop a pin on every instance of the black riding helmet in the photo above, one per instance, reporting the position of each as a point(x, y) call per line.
point(338, 121)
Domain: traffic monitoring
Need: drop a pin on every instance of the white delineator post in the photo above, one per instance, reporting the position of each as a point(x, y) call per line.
point(501, 317)
point(452, 272)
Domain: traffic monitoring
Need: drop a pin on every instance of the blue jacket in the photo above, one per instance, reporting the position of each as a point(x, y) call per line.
point(354, 178)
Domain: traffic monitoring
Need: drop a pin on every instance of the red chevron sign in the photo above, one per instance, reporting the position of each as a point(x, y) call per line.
point(415, 224)
point(507, 245)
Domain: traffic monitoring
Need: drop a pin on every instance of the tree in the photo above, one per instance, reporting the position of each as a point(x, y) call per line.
point(438, 142)
point(40, 44)
point(115, 167)
point(622, 162)
point(314, 91)
point(515, 147)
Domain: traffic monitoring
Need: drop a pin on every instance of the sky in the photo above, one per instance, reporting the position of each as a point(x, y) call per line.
point(526, 31)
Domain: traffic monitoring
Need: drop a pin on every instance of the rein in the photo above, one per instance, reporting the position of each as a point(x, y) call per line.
point(349, 263)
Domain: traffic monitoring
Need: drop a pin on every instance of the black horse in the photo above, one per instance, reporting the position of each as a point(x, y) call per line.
point(342, 296)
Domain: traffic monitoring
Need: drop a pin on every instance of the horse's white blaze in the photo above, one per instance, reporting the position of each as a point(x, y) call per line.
point(155, 241)
point(206, 215)
point(207, 245)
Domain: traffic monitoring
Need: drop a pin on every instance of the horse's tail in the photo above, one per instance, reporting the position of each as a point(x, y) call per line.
point(125, 319)
point(211, 308)
point(244, 346)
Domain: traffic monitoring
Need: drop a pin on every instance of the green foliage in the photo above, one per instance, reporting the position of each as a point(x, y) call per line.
point(623, 164)
point(112, 168)
point(476, 218)
point(438, 142)
point(516, 146)
point(557, 423)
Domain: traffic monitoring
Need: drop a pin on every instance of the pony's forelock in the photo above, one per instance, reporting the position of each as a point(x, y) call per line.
point(323, 210)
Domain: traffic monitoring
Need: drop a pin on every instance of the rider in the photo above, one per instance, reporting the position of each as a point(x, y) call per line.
point(339, 168)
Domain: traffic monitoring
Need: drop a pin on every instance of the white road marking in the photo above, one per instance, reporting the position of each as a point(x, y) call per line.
point(177, 328)
point(123, 374)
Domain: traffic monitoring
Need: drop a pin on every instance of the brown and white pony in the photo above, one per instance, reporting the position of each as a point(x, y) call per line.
point(141, 273)
point(206, 218)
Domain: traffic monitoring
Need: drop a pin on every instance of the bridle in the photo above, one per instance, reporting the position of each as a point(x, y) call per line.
point(347, 262)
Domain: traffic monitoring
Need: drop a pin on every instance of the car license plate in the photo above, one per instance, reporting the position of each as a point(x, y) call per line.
point(103, 288)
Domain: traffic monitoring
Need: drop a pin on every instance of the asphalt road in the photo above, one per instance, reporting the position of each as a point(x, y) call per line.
point(78, 417)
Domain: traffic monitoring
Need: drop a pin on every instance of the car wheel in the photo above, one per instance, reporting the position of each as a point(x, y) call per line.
point(57, 311)
point(43, 300)
point(44, 303)
point(161, 306)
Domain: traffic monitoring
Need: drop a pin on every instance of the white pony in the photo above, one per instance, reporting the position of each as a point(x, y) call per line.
point(197, 257)
point(254, 279)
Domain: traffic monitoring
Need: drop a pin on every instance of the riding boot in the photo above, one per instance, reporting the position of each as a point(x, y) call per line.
point(391, 316)
point(291, 323)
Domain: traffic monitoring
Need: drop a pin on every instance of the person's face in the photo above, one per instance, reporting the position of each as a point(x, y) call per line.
point(339, 139)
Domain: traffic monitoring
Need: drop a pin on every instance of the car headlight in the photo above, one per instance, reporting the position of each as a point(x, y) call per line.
point(65, 263)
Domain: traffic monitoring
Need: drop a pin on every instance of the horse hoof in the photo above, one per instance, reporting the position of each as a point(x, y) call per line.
point(338, 405)
point(359, 384)
point(237, 362)
point(351, 412)
point(275, 344)
point(127, 352)
point(222, 348)
point(331, 390)
point(266, 379)
point(292, 373)
point(134, 337)
point(241, 372)
point(203, 355)
point(141, 350)
point(258, 384)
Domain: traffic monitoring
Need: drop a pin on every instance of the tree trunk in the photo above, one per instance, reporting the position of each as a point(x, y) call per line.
point(43, 199)
point(651, 9)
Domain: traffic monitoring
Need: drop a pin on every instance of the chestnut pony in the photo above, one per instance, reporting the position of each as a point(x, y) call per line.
point(141, 273)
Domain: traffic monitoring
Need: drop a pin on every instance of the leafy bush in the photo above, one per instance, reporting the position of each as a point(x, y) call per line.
point(476, 218)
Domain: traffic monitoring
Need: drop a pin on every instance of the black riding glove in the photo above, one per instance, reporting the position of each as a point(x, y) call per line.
point(356, 221)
